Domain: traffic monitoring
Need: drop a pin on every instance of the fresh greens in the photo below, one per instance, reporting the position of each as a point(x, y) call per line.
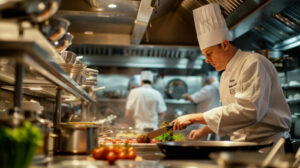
point(18, 145)
point(169, 136)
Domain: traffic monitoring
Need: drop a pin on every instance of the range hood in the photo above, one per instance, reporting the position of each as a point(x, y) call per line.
point(139, 28)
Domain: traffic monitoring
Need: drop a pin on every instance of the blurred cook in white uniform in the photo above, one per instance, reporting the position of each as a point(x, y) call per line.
point(145, 105)
point(208, 96)
point(253, 104)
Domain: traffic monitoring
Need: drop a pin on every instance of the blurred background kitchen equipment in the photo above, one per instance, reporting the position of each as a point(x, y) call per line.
point(69, 57)
point(77, 137)
point(33, 10)
point(175, 88)
point(63, 43)
point(55, 28)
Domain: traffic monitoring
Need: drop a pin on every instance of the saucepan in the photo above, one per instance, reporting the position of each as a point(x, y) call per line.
point(201, 149)
point(77, 137)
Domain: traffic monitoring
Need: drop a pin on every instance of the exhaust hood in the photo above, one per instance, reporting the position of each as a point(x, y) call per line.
point(166, 26)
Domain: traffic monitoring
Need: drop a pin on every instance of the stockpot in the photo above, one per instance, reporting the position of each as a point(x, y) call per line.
point(77, 137)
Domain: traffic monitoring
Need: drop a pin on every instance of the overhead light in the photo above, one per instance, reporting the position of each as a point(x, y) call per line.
point(99, 9)
point(35, 88)
point(112, 5)
point(88, 32)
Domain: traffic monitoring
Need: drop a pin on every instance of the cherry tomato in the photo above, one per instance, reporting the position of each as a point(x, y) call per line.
point(122, 155)
point(154, 141)
point(98, 153)
point(131, 149)
point(122, 149)
point(111, 157)
point(110, 148)
point(131, 155)
point(116, 149)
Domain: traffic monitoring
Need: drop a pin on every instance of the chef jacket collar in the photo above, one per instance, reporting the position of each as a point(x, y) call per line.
point(233, 60)
point(147, 86)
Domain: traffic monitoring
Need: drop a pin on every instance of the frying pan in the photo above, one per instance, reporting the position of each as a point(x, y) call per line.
point(201, 149)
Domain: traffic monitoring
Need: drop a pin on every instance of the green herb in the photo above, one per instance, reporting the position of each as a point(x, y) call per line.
point(169, 136)
point(18, 145)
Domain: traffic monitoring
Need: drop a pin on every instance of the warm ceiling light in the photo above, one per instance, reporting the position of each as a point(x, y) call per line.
point(88, 32)
point(35, 88)
point(99, 9)
point(112, 5)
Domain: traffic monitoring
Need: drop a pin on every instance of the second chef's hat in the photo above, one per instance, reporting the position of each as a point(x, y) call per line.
point(210, 25)
point(147, 75)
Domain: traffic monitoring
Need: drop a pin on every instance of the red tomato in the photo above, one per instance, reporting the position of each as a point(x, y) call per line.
point(122, 155)
point(116, 149)
point(154, 141)
point(98, 153)
point(131, 149)
point(131, 155)
point(111, 157)
point(122, 149)
point(110, 148)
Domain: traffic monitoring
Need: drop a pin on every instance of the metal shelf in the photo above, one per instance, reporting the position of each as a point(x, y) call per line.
point(293, 101)
point(286, 87)
point(37, 54)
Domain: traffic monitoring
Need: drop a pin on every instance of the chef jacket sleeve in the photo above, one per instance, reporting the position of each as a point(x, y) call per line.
point(250, 101)
point(202, 94)
point(130, 101)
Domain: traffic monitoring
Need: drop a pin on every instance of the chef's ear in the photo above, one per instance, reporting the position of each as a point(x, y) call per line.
point(225, 45)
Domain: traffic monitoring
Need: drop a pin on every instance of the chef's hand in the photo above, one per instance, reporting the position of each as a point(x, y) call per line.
point(197, 134)
point(182, 122)
point(185, 96)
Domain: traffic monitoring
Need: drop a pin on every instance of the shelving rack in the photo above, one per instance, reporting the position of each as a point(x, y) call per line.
point(27, 59)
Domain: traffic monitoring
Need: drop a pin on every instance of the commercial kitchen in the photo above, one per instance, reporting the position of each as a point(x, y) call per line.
point(73, 74)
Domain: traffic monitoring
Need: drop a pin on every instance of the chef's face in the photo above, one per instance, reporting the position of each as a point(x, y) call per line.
point(216, 55)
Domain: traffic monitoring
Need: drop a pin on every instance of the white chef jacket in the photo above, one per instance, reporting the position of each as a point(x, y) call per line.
point(207, 97)
point(146, 103)
point(253, 104)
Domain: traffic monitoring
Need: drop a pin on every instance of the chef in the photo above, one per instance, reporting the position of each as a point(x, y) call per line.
point(207, 97)
point(145, 105)
point(253, 104)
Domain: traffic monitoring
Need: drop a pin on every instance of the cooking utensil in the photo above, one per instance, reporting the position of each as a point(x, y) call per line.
point(273, 152)
point(159, 131)
point(77, 137)
point(201, 149)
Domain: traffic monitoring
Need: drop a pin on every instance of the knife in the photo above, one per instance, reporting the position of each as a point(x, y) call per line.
point(159, 131)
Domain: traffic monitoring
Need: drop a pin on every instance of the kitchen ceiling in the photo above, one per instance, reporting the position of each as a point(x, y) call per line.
point(147, 25)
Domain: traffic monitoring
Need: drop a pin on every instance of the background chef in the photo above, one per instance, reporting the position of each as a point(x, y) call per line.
point(145, 105)
point(253, 105)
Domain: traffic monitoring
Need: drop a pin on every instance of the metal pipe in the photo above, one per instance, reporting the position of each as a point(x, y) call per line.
point(83, 111)
point(18, 95)
point(57, 114)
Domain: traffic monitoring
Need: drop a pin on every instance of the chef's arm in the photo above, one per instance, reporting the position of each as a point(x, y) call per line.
point(186, 120)
point(187, 97)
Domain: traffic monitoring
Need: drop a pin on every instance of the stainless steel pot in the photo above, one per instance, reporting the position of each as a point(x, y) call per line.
point(77, 137)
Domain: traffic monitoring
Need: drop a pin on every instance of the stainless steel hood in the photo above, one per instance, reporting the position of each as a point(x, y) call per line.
point(164, 25)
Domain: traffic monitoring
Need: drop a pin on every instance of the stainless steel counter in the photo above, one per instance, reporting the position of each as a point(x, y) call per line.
point(149, 154)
